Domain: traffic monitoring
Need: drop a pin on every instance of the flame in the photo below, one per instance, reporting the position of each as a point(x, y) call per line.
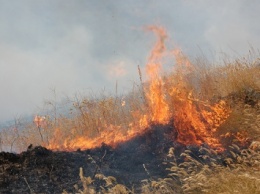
point(240, 137)
point(112, 136)
point(166, 99)
point(195, 120)
point(155, 94)
point(40, 121)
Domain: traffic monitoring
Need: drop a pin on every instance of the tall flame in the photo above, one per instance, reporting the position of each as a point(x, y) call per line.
point(155, 94)
point(195, 120)
point(167, 99)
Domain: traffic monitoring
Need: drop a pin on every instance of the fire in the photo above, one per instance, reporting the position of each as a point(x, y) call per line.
point(167, 99)
point(40, 121)
point(241, 137)
point(195, 120)
point(155, 94)
point(112, 136)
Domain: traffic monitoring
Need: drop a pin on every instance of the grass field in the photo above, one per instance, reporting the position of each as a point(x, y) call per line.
point(213, 104)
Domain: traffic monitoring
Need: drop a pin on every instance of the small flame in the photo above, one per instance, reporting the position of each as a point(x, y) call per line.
point(112, 136)
point(241, 137)
point(39, 121)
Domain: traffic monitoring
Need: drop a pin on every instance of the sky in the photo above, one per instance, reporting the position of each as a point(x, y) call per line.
point(88, 46)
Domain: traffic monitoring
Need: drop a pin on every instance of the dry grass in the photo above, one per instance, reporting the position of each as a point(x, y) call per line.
point(205, 174)
point(239, 85)
point(99, 184)
point(236, 82)
point(233, 77)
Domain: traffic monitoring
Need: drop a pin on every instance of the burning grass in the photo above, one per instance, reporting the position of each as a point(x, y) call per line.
point(207, 106)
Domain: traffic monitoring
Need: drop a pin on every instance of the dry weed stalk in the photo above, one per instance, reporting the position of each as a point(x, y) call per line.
point(208, 174)
point(100, 184)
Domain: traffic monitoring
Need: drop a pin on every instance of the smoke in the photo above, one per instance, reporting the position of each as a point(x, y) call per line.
point(79, 45)
point(117, 69)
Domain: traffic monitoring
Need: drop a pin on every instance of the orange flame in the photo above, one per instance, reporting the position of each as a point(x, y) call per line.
point(40, 121)
point(195, 121)
point(155, 95)
point(112, 136)
point(167, 99)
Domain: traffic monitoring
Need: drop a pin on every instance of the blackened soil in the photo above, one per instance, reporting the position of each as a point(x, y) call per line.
point(39, 170)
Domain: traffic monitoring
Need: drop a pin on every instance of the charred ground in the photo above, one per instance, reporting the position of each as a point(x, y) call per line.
point(145, 157)
point(43, 171)
point(39, 170)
